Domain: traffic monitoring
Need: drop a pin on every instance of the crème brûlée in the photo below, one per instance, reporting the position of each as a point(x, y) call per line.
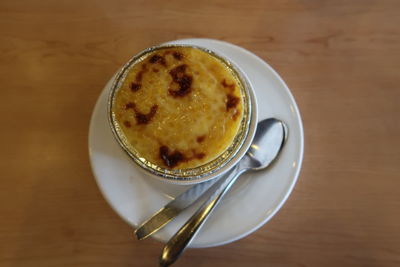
point(179, 107)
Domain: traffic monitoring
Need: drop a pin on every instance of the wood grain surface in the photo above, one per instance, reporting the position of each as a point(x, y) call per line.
point(340, 58)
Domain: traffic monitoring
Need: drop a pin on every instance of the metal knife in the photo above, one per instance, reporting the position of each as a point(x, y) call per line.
point(172, 209)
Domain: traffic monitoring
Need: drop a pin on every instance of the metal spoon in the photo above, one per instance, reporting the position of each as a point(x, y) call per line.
point(267, 143)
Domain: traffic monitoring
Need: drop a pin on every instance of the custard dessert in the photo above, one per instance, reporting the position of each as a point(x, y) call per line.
point(179, 107)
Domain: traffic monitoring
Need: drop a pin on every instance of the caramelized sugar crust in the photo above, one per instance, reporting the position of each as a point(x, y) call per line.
point(179, 107)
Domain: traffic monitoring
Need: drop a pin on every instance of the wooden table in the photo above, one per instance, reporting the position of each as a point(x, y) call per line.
point(341, 60)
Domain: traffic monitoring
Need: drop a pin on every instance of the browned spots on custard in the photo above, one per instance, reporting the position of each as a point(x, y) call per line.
point(183, 80)
point(232, 101)
point(142, 118)
point(155, 70)
point(235, 115)
point(171, 159)
point(177, 55)
point(200, 139)
point(199, 155)
point(178, 72)
point(127, 124)
point(231, 87)
point(158, 59)
point(196, 155)
point(145, 118)
point(130, 105)
point(135, 87)
point(139, 75)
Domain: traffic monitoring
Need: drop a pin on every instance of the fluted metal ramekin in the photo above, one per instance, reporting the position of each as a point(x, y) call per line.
point(212, 169)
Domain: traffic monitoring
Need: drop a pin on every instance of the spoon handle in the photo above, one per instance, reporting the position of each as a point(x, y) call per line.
point(177, 244)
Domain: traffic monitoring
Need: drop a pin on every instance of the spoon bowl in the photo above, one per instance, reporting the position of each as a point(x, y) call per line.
point(265, 147)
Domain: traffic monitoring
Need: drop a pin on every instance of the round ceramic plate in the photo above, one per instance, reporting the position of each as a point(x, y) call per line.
point(255, 197)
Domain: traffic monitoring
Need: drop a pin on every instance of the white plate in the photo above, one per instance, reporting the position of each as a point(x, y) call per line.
point(255, 197)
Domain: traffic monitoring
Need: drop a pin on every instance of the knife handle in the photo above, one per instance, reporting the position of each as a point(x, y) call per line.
point(172, 209)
